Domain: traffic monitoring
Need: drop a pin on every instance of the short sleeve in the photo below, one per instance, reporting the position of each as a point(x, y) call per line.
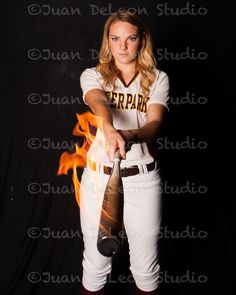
point(160, 92)
point(89, 79)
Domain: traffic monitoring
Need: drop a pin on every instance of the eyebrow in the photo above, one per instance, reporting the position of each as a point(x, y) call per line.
point(134, 35)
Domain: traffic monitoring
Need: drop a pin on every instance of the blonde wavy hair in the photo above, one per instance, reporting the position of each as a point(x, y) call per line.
point(145, 62)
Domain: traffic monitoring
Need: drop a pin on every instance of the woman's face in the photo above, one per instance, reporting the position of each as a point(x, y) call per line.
point(123, 42)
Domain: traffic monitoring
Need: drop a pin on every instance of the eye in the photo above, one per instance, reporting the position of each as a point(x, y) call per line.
point(114, 39)
point(133, 38)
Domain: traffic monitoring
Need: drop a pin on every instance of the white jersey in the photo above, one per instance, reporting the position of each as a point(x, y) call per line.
point(129, 111)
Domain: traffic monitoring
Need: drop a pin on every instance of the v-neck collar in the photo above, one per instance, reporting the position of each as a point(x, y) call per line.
point(123, 81)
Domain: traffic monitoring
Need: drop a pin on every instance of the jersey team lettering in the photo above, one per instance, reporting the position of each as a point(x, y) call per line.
point(128, 101)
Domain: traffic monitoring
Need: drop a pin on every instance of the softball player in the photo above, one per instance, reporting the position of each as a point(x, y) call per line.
point(130, 94)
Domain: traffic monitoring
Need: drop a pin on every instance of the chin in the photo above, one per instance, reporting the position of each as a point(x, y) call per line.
point(125, 60)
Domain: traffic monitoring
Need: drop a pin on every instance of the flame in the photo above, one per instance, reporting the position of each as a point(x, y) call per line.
point(68, 160)
point(78, 159)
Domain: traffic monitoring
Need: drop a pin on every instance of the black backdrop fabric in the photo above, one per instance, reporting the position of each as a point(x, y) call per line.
point(46, 47)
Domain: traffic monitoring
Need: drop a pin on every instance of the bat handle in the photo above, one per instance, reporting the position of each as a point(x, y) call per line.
point(117, 155)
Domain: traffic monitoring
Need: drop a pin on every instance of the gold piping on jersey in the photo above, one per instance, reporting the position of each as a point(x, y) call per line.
point(128, 101)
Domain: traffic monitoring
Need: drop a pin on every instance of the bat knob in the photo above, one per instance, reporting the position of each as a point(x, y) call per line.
point(117, 155)
point(109, 246)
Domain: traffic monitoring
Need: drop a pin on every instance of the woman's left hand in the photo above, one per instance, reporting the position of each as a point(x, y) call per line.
point(129, 137)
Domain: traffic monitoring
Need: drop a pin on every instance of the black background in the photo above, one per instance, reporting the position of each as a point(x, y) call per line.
point(204, 261)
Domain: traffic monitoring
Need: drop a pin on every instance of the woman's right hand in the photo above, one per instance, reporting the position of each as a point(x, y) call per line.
point(114, 141)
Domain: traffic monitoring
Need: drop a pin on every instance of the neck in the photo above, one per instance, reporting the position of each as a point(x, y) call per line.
point(127, 69)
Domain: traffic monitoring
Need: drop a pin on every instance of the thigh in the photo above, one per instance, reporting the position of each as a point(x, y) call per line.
point(92, 188)
point(91, 197)
point(142, 210)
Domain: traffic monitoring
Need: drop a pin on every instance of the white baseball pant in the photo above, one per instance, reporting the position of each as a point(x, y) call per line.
point(142, 217)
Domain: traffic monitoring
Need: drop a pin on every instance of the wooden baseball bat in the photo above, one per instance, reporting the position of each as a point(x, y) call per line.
point(109, 240)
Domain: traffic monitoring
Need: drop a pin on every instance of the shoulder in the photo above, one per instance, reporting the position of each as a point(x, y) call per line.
point(90, 72)
point(161, 82)
point(160, 75)
point(162, 79)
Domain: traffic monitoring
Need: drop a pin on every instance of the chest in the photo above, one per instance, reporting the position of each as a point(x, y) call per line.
point(128, 101)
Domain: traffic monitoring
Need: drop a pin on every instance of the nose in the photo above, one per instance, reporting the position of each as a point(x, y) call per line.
point(123, 45)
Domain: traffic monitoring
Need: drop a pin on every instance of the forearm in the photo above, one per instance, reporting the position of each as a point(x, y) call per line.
point(103, 110)
point(148, 133)
point(99, 104)
point(151, 130)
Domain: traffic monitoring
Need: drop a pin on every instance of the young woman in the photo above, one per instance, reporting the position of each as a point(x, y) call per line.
point(130, 94)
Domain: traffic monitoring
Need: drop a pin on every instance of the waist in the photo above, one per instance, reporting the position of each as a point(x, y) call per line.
point(125, 171)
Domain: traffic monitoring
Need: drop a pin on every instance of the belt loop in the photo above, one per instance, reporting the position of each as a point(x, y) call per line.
point(98, 167)
point(144, 168)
